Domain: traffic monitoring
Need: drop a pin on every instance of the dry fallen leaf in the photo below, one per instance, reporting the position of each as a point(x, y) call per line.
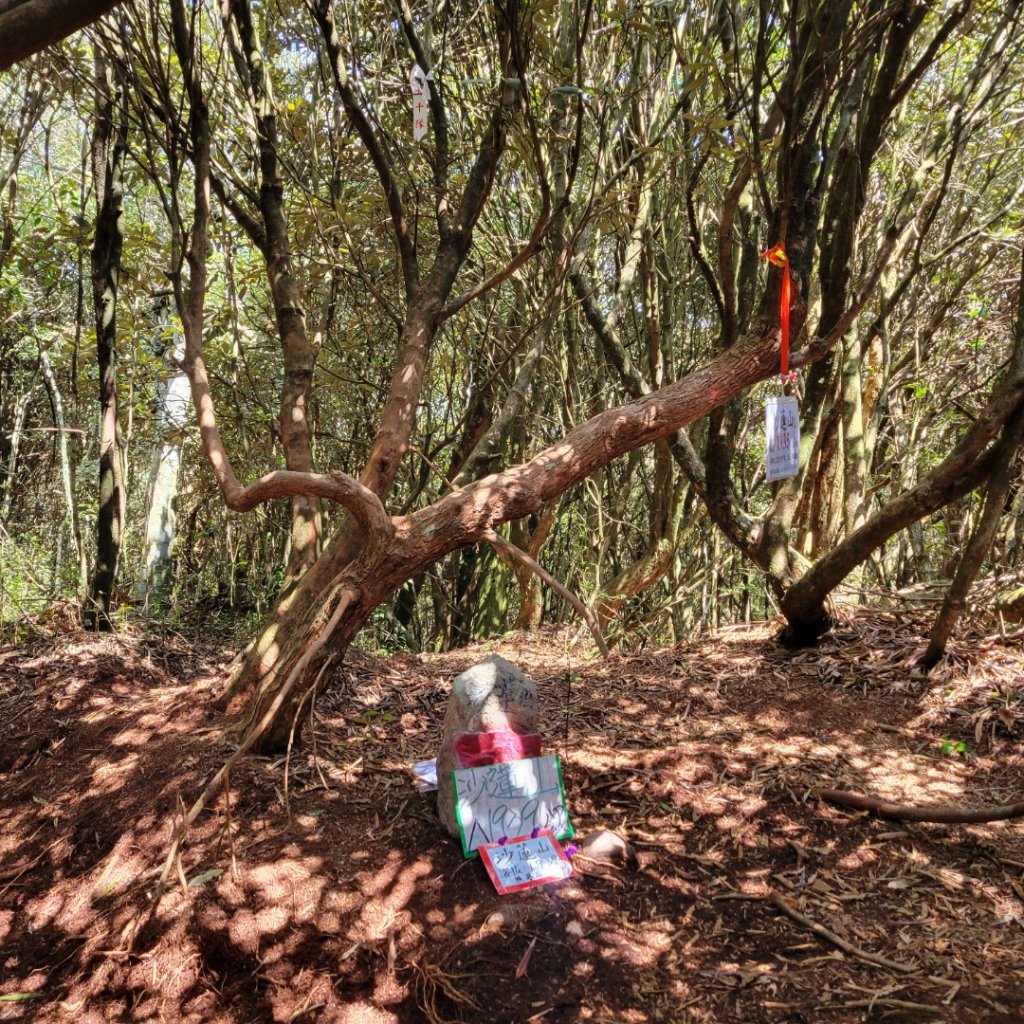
point(524, 963)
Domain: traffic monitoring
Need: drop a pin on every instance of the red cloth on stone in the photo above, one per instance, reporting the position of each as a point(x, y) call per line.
point(473, 749)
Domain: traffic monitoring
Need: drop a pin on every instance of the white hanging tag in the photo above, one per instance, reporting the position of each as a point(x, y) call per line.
point(782, 432)
point(420, 102)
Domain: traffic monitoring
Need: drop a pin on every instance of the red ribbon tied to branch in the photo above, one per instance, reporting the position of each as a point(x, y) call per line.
point(776, 256)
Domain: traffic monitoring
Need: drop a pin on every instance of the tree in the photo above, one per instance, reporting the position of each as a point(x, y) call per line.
point(367, 562)
point(27, 26)
point(564, 271)
point(109, 144)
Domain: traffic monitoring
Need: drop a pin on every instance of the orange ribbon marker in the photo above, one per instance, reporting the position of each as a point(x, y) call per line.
point(776, 256)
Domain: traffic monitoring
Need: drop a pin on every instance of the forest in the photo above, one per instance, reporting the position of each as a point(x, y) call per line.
point(672, 352)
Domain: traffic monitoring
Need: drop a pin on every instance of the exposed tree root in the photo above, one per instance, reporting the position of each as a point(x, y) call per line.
point(172, 861)
point(937, 813)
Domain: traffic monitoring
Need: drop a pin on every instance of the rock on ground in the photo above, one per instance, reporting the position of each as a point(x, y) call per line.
point(491, 696)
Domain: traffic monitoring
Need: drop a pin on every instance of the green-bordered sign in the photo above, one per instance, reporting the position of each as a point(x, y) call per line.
point(510, 799)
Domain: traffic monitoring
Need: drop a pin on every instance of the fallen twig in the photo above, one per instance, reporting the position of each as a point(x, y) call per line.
point(837, 940)
point(938, 813)
point(889, 1004)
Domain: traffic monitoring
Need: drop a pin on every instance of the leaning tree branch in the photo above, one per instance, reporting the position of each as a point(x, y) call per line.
point(518, 555)
point(969, 463)
point(938, 813)
point(460, 519)
point(335, 486)
point(28, 26)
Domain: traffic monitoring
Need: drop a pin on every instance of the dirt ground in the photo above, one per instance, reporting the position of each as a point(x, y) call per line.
point(327, 892)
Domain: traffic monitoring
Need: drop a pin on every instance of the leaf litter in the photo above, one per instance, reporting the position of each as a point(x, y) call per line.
point(749, 899)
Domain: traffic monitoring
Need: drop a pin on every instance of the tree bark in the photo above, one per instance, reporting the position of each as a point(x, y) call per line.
point(109, 146)
point(28, 26)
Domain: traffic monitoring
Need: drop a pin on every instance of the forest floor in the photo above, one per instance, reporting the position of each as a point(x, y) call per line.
point(329, 893)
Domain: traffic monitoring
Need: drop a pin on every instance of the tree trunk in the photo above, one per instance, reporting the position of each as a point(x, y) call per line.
point(297, 353)
point(530, 535)
point(979, 544)
point(855, 455)
point(172, 405)
point(659, 553)
point(17, 430)
point(108, 152)
point(962, 471)
point(67, 475)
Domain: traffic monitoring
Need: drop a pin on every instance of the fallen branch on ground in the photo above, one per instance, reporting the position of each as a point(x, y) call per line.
point(837, 940)
point(938, 813)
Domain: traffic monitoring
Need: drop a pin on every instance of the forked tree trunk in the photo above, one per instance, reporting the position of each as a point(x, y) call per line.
point(970, 463)
point(376, 567)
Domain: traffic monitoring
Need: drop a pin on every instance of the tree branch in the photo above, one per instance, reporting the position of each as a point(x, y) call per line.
point(28, 26)
point(533, 246)
point(323, 13)
point(938, 813)
point(518, 555)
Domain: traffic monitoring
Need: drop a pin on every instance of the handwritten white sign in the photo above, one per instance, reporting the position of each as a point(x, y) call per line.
point(420, 102)
point(782, 430)
point(510, 799)
point(525, 861)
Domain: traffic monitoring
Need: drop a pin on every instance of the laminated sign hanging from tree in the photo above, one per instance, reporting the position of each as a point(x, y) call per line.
point(782, 414)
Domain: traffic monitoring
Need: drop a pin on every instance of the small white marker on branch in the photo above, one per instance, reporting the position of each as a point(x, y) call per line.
point(420, 102)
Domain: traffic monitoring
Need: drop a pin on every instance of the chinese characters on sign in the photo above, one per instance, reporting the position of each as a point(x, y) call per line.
point(782, 432)
point(420, 102)
point(510, 799)
point(525, 861)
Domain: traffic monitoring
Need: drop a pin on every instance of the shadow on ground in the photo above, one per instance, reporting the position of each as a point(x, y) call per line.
point(326, 892)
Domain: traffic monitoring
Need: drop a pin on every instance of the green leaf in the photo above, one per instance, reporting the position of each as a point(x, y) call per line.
point(205, 876)
point(20, 997)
